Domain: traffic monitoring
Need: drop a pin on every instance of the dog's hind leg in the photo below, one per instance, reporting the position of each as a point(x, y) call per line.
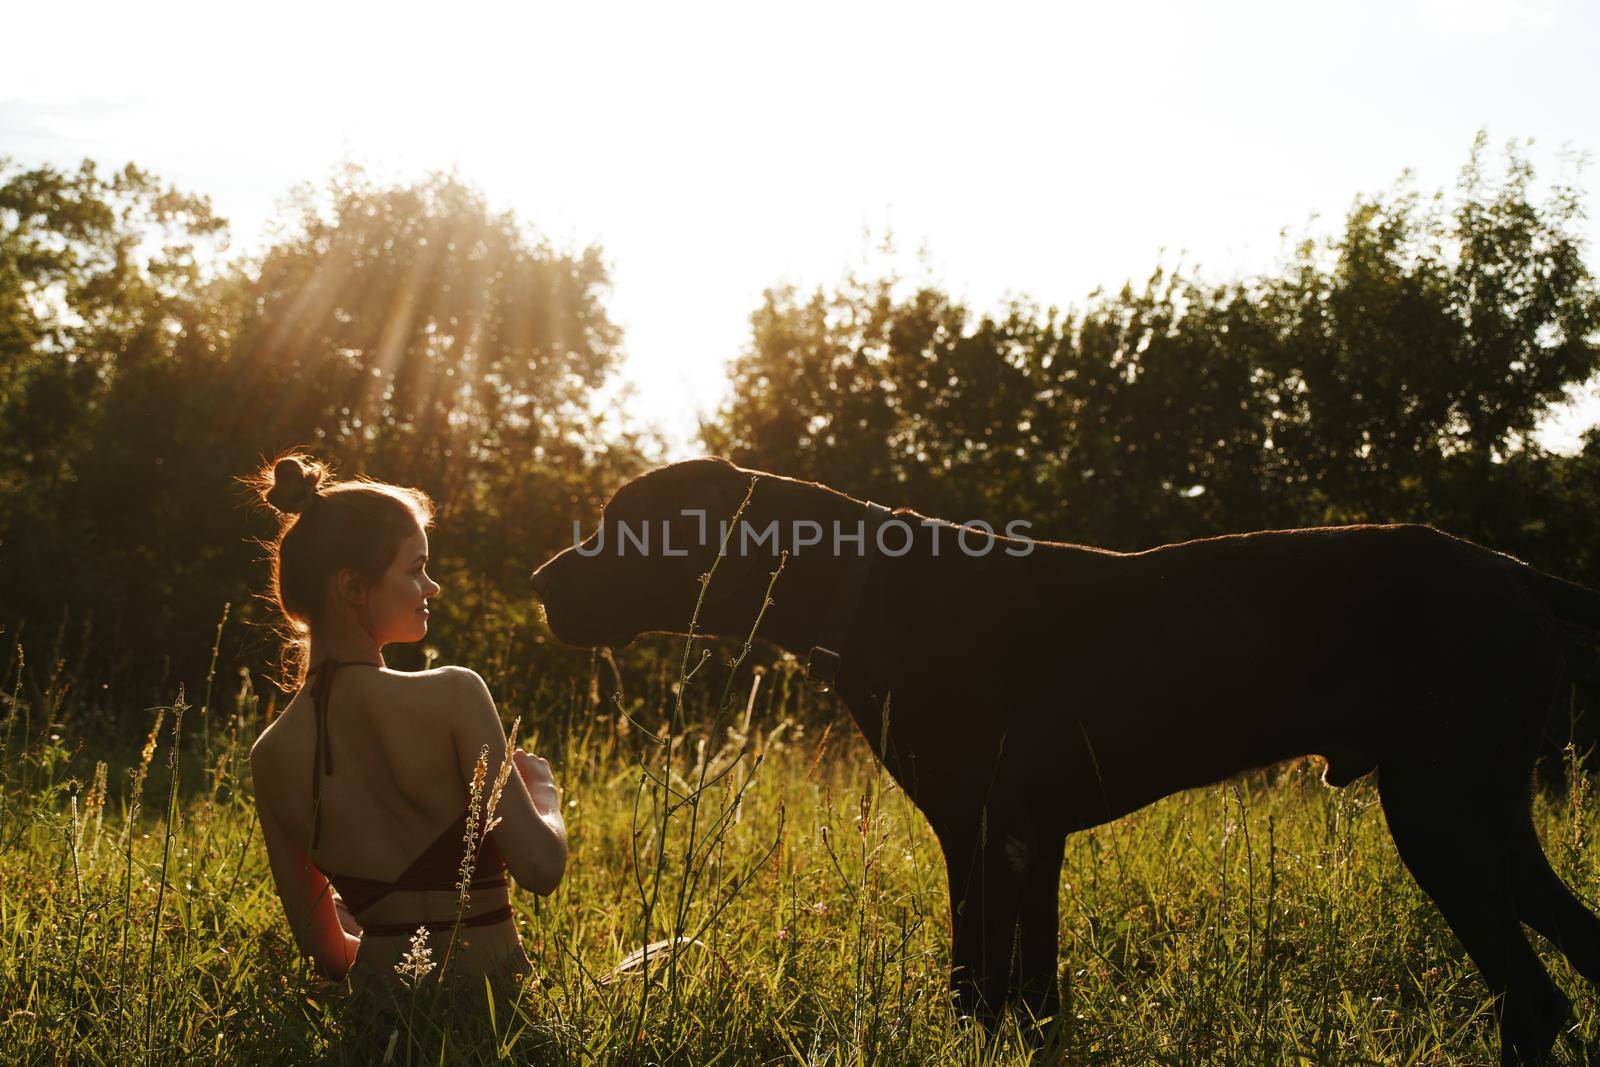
point(1454, 829)
point(1544, 902)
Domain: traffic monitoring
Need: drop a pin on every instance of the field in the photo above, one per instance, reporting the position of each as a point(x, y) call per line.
point(1265, 920)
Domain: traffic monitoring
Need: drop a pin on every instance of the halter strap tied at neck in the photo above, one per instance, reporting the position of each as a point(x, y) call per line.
point(322, 761)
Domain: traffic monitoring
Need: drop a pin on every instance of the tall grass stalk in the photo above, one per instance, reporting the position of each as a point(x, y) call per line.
point(211, 673)
point(469, 854)
point(801, 913)
point(168, 817)
point(135, 783)
point(77, 886)
point(5, 746)
point(691, 870)
point(668, 743)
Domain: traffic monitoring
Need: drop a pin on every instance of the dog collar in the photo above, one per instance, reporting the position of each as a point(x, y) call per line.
point(822, 662)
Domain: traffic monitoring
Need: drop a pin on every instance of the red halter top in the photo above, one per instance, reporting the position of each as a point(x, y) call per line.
point(439, 865)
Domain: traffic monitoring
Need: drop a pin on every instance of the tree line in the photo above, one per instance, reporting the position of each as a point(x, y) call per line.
point(409, 332)
point(1394, 369)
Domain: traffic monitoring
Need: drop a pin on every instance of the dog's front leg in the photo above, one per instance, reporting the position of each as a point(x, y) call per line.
point(984, 904)
point(1038, 921)
point(1004, 878)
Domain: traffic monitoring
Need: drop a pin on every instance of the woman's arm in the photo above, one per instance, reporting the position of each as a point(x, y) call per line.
point(541, 787)
point(323, 928)
point(531, 836)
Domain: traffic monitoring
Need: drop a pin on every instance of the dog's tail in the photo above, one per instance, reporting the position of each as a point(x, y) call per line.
point(1570, 602)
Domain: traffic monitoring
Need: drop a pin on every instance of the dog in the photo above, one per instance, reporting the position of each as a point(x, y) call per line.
point(1036, 688)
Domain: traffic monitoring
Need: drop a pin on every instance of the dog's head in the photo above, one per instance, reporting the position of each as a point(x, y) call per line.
point(639, 571)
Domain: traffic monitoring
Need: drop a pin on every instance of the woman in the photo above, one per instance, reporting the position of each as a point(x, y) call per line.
point(364, 778)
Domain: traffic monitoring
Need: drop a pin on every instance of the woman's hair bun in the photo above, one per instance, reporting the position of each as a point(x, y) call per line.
point(294, 484)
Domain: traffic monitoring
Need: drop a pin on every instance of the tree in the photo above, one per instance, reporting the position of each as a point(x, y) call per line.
point(1383, 372)
point(414, 333)
point(100, 302)
point(407, 332)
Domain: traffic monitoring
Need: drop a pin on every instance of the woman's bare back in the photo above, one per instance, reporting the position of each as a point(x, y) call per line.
point(397, 783)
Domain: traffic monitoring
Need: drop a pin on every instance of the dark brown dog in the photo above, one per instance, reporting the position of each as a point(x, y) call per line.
point(1041, 688)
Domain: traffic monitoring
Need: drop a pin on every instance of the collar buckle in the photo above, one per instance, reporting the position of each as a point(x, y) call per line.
point(822, 669)
point(822, 663)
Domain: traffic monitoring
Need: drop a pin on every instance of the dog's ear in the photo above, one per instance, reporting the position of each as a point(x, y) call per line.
point(727, 486)
point(714, 485)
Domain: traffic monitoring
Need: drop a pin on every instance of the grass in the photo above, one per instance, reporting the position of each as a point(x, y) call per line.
point(795, 899)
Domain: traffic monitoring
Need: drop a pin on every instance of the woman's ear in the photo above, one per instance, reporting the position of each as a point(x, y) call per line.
point(350, 587)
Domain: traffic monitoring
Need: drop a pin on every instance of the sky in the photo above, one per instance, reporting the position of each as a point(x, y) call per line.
point(713, 151)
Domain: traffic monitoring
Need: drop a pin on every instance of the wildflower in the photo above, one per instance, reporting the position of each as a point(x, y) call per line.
point(95, 801)
point(490, 821)
point(415, 965)
point(137, 774)
point(469, 857)
point(148, 754)
point(473, 839)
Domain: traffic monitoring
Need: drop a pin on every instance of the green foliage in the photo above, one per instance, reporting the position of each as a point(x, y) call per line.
point(1264, 921)
point(410, 332)
point(1393, 370)
point(1389, 371)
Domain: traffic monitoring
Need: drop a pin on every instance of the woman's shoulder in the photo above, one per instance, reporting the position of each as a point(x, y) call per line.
point(420, 681)
point(426, 694)
point(408, 695)
point(446, 679)
point(439, 693)
point(463, 680)
point(448, 675)
point(449, 702)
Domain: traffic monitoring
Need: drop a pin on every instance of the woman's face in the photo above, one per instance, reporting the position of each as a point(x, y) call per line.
point(398, 605)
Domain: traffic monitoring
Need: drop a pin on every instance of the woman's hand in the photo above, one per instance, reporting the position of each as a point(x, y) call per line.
point(535, 772)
